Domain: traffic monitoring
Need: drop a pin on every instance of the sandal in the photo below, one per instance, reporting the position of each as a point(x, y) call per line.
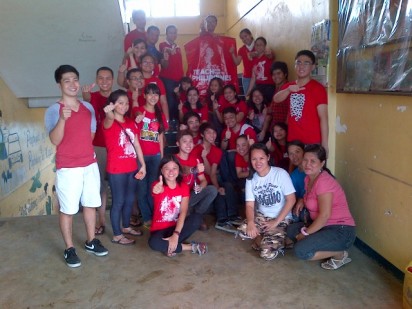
point(199, 247)
point(333, 264)
point(135, 222)
point(123, 241)
point(132, 232)
point(99, 230)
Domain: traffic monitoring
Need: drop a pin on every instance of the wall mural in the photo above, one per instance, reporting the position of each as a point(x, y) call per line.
point(26, 168)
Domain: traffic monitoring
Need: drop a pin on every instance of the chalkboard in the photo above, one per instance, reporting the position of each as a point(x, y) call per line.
point(38, 36)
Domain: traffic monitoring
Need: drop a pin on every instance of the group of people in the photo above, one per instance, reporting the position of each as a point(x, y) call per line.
point(229, 151)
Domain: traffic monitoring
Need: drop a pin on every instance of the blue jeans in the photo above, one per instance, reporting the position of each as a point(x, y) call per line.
point(171, 98)
point(123, 187)
point(226, 206)
point(245, 84)
point(328, 238)
point(227, 167)
point(191, 225)
point(144, 187)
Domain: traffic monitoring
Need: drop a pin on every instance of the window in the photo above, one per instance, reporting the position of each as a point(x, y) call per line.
point(164, 8)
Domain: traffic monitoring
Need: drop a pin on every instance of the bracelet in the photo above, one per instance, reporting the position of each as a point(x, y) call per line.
point(304, 232)
point(176, 232)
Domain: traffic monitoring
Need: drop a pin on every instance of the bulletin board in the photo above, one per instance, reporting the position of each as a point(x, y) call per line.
point(374, 49)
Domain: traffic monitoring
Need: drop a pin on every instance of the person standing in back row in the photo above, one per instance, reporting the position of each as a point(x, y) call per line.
point(308, 113)
point(139, 19)
point(71, 125)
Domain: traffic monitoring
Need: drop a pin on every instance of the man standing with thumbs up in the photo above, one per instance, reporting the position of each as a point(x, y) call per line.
point(71, 125)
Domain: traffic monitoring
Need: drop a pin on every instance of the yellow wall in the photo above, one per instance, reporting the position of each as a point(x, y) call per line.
point(371, 159)
point(26, 185)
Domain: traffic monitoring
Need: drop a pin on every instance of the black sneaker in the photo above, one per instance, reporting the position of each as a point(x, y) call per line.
point(226, 226)
point(71, 258)
point(96, 247)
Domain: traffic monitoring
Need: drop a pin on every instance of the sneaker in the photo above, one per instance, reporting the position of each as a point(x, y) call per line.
point(199, 247)
point(237, 220)
point(226, 226)
point(71, 258)
point(96, 247)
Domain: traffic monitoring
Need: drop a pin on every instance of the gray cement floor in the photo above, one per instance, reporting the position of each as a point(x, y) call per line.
point(231, 275)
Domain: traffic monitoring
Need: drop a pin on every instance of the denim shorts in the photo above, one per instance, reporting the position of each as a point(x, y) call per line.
point(329, 238)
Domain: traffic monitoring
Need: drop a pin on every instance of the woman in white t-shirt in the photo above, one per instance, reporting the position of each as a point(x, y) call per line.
point(270, 196)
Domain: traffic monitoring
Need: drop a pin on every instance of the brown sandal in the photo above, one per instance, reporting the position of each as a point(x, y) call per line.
point(124, 241)
point(99, 230)
point(132, 232)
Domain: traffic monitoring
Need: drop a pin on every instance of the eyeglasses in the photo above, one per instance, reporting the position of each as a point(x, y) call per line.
point(148, 62)
point(136, 78)
point(304, 63)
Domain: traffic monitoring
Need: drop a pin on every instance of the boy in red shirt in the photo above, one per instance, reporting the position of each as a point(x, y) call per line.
point(202, 194)
point(71, 125)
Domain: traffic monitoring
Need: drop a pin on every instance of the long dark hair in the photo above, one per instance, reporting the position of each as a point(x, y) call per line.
point(282, 125)
point(217, 94)
point(256, 146)
point(153, 88)
point(166, 159)
point(252, 105)
point(198, 103)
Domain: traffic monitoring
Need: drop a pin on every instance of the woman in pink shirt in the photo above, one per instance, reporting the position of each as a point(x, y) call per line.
point(332, 231)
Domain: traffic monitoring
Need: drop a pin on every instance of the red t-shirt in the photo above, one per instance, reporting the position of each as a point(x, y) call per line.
point(261, 68)
point(189, 170)
point(214, 156)
point(140, 100)
point(241, 162)
point(166, 208)
point(148, 132)
point(121, 155)
point(240, 106)
point(303, 118)
point(174, 70)
point(76, 147)
point(203, 112)
point(98, 101)
point(131, 36)
point(280, 156)
point(247, 63)
point(244, 129)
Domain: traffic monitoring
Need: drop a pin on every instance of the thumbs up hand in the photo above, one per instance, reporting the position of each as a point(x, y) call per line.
point(158, 188)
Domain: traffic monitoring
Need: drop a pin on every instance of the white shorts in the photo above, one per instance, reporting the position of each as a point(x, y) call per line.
point(78, 184)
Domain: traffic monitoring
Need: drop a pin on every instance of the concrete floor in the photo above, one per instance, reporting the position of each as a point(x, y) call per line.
point(34, 275)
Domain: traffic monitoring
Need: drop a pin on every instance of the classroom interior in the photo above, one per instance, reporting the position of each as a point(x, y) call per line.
point(369, 138)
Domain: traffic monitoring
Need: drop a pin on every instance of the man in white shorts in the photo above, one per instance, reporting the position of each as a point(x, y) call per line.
point(71, 125)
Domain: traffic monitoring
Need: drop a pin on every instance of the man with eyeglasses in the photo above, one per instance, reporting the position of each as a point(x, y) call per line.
point(308, 113)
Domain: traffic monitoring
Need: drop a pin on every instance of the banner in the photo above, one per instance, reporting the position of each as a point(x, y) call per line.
point(208, 56)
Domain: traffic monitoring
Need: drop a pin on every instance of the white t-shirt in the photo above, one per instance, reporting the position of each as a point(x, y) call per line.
point(269, 192)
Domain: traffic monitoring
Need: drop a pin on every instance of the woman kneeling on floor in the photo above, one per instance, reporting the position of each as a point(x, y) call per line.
point(171, 225)
point(270, 189)
point(332, 231)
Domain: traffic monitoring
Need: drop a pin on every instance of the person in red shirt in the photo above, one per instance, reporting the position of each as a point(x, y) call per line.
point(231, 99)
point(191, 122)
point(123, 148)
point(181, 90)
point(258, 115)
point(202, 194)
point(172, 224)
point(193, 104)
point(71, 125)
point(98, 99)
point(261, 76)
point(245, 54)
point(277, 146)
point(131, 60)
point(308, 112)
point(151, 125)
point(139, 19)
point(135, 93)
point(171, 70)
point(148, 62)
point(242, 159)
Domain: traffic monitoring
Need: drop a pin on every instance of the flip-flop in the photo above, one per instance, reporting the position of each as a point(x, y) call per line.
point(99, 230)
point(133, 232)
point(124, 241)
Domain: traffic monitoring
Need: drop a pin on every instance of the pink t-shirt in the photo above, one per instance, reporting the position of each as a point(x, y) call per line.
point(340, 214)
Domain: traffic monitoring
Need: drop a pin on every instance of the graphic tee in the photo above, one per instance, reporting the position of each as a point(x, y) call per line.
point(167, 206)
point(269, 192)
